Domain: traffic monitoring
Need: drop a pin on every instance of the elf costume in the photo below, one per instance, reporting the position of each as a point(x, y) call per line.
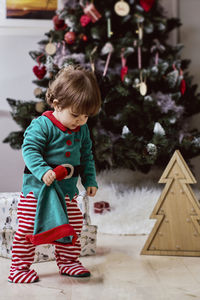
point(50, 214)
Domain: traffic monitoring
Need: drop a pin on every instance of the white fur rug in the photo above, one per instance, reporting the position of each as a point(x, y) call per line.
point(132, 197)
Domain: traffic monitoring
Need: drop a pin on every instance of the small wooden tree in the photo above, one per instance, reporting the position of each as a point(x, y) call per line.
point(177, 230)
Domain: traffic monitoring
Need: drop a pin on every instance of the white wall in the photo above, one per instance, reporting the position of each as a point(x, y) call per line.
point(189, 34)
point(190, 38)
point(15, 63)
point(10, 160)
point(15, 82)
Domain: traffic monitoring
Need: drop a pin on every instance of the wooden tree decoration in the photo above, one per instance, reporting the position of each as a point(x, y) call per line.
point(177, 230)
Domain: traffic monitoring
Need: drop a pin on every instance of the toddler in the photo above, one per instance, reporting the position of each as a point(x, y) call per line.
point(56, 150)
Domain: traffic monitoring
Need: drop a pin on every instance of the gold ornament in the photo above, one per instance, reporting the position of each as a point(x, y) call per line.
point(37, 91)
point(50, 49)
point(122, 8)
point(140, 32)
point(143, 88)
point(40, 106)
point(142, 85)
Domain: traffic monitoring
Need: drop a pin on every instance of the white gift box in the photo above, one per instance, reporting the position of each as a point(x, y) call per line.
point(9, 223)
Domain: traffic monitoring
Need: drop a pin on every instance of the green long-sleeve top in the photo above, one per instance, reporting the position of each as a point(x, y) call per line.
point(47, 142)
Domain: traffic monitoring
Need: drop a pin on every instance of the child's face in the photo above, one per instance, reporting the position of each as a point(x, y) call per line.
point(69, 118)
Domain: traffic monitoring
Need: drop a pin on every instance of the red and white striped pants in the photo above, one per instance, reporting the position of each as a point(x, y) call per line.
point(23, 252)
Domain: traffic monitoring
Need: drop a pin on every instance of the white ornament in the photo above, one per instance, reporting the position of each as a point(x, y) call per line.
point(143, 88)
point(148, 98)
point(196, 141)
point(125, 130)
point(122, 8)
point(154, 69)
point(49, 63)
point(136, 83)
point(172, 120)
point(107, 48)
point(140, 33)
point(151, 149)
point(70, 22)
point(158, 129)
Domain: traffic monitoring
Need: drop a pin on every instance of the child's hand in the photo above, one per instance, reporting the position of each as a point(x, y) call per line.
point(49, 177)
point(91, 191)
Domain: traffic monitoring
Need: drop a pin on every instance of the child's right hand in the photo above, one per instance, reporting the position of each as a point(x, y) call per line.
point(49, 177)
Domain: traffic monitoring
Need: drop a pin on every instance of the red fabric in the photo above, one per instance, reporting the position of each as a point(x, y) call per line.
point(61, 172)
point(39, 71)
point(51, 235)
point(147, 4)
point(50, 116)
point(59, 24)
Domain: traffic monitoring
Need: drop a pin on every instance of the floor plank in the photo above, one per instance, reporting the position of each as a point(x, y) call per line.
point(119, 272)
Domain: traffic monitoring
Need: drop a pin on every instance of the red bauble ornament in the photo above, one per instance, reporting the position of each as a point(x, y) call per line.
point(70, 37)
point(183, 86)
point(59, 24)
point(85, 38)
point(147, 4)
point(39, 71)
point(85, 20)
point(124, 71)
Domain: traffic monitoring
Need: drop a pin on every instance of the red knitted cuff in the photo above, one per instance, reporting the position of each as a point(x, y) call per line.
point(61, 172)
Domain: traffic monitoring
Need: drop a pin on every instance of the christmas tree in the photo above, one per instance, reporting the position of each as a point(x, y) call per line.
point(177, 230)
point(147, 92)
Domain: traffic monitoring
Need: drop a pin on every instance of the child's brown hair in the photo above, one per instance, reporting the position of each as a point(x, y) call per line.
point(76, 87)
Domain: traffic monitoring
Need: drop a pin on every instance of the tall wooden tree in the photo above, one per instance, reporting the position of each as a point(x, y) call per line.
point(177, 230)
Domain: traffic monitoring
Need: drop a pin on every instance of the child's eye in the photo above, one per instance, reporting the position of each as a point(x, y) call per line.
point(75, 116)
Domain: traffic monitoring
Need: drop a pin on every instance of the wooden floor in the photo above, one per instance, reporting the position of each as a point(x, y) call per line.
point(118, 272)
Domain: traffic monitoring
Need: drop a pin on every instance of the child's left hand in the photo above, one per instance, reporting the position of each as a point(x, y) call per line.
point(91, 191)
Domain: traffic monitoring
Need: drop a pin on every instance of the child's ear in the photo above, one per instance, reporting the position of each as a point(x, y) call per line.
point(55, 105)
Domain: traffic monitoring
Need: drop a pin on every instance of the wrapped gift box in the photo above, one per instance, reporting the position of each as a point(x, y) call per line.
point(9, 223)
point(101, 207)
point(89, 232)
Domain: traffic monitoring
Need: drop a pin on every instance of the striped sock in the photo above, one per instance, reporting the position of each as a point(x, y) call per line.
point(23, 252)
point(74, 269)
point(22, 276)
point(67, 256)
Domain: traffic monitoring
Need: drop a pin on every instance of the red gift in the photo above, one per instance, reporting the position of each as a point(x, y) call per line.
point(101, 206)
point(91, 11)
